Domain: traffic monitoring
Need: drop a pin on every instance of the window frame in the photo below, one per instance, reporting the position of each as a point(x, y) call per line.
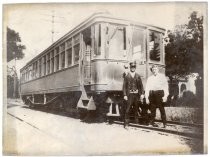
point(161, 49)
point(56, 59)
point(144, 41)
point(76, 42)
point(122, 29)
point(52, 60)
point(62, 56)
point(69, 46)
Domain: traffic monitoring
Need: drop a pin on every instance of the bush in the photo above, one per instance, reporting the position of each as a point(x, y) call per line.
point(188, 99)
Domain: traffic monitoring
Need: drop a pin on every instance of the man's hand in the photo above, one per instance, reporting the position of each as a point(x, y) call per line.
point(142, 98)
point(147, 101)
point(164, 99)
point(125, 98)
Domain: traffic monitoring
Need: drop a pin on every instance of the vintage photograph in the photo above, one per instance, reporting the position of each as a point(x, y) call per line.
point(105, 78)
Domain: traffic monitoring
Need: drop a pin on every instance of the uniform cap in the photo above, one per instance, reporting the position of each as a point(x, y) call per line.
point(126, 66)
point(153, 66)
point(133, 64)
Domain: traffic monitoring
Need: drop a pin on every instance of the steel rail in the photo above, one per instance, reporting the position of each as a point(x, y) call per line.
point(165, 130)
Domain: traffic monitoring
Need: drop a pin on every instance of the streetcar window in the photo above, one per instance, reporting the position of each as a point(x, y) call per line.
point(76, 39)
point(97, 37)
point(69, 52)
point(62, 48)
point(62, 54)
point(30, 72)
point(138, 42)
point(36, 70)
point(26, 75)
point(154, 45)
point(23, 76)
point(48, 63)
point(52, 62)
point(44, 65)
point(27, 72)
point(21, 79)
point(33, 69)
point(76, 53)
point(57, 59)
point(117, 41)
point(40, 67)
point(124, 38)
point(63, 60)
point(76, 48)
point(69, 43)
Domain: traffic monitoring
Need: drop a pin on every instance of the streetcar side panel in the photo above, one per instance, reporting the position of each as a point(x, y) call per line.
point(61, 81)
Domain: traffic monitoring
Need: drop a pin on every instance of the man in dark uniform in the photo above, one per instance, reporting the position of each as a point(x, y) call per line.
point(132, 90)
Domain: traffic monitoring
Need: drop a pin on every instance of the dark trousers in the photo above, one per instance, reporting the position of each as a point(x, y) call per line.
point(156, 101)
point(132, 101)
point(144, 112)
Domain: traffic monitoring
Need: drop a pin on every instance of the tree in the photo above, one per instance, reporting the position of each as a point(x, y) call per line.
point(14, 48)
point(184, 48)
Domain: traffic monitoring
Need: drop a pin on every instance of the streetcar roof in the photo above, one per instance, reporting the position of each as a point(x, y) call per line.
point(104, 18)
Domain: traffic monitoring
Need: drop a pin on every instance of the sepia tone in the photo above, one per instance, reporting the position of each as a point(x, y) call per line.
point(64, 97)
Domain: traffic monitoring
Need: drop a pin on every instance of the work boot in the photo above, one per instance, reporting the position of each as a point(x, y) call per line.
point(164, 125)
point(126, 124)
point(154, 124)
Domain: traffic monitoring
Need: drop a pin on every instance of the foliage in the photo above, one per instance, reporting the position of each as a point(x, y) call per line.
point(14, 48)
point(184, 48)
point(187, 99)
point(11, 88)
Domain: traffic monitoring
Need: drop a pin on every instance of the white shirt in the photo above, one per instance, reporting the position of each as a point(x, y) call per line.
point(158, 82)
point(132, 74)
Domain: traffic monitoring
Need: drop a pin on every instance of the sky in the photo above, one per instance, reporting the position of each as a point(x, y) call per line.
point(33, 21)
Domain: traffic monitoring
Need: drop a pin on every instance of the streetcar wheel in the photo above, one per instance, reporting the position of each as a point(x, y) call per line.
point(82, 113)
point(58, 104)
point(30, 104)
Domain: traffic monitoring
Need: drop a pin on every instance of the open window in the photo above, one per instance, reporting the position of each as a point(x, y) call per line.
point(57, 59)
point(48, 63)
point(138, 44)
point(155, 45)
point(76, 48)
point(86, 45)
point(44, 65)
point(116, 41)
point(62, 55)
point(52, 61)
point(69, 51)
point(97, 39)
point(40, 67)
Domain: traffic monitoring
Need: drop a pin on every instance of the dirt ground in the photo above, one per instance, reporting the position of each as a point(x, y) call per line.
point(32, 132)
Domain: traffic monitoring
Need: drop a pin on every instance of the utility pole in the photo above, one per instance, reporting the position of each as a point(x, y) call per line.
point(53, 16)
point(53, 21)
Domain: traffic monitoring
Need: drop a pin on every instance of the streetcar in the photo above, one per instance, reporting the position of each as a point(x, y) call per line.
point(83, 70)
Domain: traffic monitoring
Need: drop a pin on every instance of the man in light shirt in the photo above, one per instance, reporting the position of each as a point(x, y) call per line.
point(156, 92)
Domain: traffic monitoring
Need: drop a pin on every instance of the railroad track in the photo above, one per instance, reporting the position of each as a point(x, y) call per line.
point(175, 128)
point(183, 129)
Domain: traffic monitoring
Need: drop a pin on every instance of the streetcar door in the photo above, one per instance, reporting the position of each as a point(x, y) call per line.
point(86, 52)
point(139, 50)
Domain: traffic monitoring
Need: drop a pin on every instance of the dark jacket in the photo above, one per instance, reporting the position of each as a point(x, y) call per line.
point(134, 84)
